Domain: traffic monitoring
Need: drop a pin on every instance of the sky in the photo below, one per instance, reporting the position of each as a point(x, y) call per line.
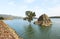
point(19, 7)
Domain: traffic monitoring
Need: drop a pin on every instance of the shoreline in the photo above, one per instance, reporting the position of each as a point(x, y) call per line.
point(12, 31)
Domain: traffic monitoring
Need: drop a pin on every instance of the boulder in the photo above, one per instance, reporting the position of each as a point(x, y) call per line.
point(44, 20)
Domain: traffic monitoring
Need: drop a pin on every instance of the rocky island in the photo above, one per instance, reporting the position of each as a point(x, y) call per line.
point(7, 33)
point(43, 20)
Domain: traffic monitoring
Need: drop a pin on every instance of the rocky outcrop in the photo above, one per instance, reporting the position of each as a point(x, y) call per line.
point(6, 32)
point(44, 20)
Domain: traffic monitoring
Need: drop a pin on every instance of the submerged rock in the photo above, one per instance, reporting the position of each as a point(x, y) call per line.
point(44, 20)
point(6, 32)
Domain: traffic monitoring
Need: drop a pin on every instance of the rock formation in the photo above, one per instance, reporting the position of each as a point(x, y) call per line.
point(6, 32)
point(44, 20)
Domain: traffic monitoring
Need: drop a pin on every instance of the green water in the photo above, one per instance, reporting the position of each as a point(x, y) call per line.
point(32, 31)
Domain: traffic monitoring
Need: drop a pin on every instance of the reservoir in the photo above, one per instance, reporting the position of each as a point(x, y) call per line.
point(32, 31)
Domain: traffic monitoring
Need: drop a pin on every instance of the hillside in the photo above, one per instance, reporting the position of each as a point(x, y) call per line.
point(6, 32)
point(9, 16)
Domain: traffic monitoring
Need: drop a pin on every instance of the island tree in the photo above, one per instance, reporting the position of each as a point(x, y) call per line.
point(29, 16)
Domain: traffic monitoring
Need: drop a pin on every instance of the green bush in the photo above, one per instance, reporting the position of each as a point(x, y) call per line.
point(1, 18)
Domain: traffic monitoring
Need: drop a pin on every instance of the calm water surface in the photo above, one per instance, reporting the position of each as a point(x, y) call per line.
point(32, 31)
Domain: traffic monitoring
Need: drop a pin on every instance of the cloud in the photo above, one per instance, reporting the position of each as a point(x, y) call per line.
point(38, 10)
point(12, 3)
point(51, 11)
point(50, 3)
point(50, 7)
point(54, 11)
point(21, 10)
point(29, 1)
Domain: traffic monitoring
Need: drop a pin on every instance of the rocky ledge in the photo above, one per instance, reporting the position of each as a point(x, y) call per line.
point(44, 20)
point(6, 32)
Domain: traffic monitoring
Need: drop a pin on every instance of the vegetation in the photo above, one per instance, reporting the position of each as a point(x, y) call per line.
point(29, 15)
point(1, 18)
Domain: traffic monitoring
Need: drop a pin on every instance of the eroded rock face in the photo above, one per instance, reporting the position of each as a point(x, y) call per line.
point(6, 32)
point(44, 20)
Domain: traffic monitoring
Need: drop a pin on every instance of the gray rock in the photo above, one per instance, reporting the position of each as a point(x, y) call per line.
point(44, 20)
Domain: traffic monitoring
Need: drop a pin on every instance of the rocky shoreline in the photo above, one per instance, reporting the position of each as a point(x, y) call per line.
point(7, 33)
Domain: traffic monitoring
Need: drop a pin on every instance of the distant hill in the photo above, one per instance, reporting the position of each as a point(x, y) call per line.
point(9, 16)
point(50, 17)
point(55, 17)
point(17, 17)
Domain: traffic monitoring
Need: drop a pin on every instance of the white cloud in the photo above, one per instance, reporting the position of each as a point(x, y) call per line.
point(54, 11)
point(55, 1)
point(12, 3)
point(29, 1)
point(20, 10)
point(38, 10)
point(50, 2)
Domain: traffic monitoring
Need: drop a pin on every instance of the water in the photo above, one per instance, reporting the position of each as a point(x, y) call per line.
point(32, 31)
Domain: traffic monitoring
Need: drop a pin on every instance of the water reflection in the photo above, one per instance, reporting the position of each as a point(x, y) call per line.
point(45, 32)
point(44, 29)
point(38, 32)
point(29, 32)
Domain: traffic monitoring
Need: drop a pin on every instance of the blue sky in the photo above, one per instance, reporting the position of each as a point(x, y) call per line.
point(18, 7)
